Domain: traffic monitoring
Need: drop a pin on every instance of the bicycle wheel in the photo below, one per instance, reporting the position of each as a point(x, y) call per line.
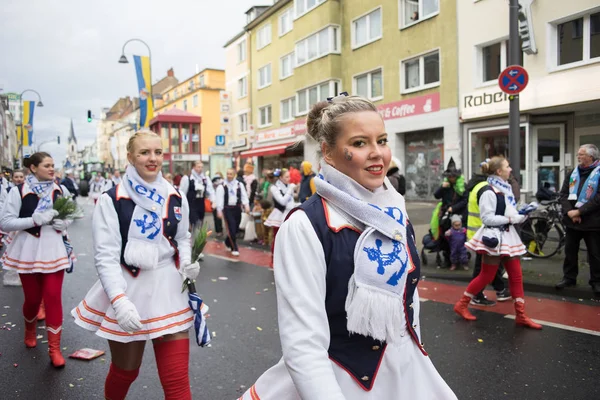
point(542, 238)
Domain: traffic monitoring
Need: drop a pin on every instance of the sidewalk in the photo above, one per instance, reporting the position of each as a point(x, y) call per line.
point(539, 275)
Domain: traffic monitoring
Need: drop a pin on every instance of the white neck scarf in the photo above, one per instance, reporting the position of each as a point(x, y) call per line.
point(146, 223)
point(43, 190)
point(198, 182)
point(375, 302)
point(504, 187)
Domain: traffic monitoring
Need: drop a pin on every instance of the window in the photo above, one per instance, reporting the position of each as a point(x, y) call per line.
point(288, 109)
point(201, 81)
point(304, 6)
point(366, 29)
point(307, 97)
point(195, 100)
point(578, 40)
point(242, 87)
point(285, 22)
point(317, 45)
point(185, 138)
point(414, 11)
point(164, 134)
point(175, 94)
point(265, 116)
point(174, 138)
point(286, 66)
point(191, 85)
point(243, 122)
point(241, 50)
point(420, 73)
point(369, 85)
point(263, 36)
point(494, 59)
point(264, 76)
point(185, 105)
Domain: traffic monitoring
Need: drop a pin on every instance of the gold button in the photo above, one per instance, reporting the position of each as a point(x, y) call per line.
point(153, 208)
point(414, 280)
point(375, 348)
point(398, 238)
point(415, 326)
point(422, 344)
point(365, 378)
point(168, 223)
point(410, 306)
point(170, 238)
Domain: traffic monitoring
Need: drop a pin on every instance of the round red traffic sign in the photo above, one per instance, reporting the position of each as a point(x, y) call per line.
point(513, 79)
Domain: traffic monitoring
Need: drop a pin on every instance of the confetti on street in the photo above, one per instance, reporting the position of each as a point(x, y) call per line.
point(480, 340)
point(259, 328)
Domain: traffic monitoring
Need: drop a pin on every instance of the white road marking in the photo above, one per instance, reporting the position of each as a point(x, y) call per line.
point(422, 300)
point(560, 326)
point(224, 258)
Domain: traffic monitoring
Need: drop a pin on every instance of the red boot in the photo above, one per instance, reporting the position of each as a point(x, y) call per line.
point(462, 308)
point(522, 319)
point(42, 312)
point(54, 347)
point(30, 333)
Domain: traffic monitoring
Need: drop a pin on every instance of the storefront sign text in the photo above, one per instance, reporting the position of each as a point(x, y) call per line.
point(484, 99)
point(408, 108)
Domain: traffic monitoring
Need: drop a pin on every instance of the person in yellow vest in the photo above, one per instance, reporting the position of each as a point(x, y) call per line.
point(476, 183)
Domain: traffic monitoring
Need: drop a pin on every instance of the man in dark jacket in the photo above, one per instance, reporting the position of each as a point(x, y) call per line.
point(452, 191)
point(396, 178)
point(580, 200)
point(70, 184)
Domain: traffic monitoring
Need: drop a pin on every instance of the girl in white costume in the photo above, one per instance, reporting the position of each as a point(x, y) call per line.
point(37, 250)
point(349, 325)
point(283, 201)
point(97, 187)
point(11, 278)
point(142, 254)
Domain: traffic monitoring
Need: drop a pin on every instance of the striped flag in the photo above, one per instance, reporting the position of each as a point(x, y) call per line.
point(142, 70)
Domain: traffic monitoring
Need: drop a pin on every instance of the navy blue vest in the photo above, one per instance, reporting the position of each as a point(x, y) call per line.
point(500, 199)
point(305, 191)
point(359, 355)
point(124, 208)
point(191, 195)
point(29, 204)
point(226, 195)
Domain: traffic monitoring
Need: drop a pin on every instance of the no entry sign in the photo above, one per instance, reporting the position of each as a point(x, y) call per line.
point(513, 79)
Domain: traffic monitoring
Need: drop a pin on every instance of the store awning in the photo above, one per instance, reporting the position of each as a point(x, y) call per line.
point(267, 150)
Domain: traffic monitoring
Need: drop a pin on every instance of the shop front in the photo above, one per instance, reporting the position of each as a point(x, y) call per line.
point(278, 148)
point(423, 137)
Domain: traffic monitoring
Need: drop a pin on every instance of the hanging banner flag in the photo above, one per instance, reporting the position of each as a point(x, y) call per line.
point(27, 132)
point(142, 70)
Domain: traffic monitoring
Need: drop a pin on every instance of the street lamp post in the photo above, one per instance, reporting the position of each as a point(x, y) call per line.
point(123, 59)
point(39, 104)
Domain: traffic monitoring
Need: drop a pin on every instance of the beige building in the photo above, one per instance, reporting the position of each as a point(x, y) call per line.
point(560, 107)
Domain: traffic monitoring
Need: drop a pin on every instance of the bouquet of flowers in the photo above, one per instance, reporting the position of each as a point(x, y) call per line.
point(67, 208)
point(199, 241)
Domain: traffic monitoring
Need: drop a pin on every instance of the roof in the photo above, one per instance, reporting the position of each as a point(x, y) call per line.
point(176, 115)
point(236, 37)
point(267, 13)
point(72, 134)
point(164, 84)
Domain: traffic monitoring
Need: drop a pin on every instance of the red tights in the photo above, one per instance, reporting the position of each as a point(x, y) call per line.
point(488, 271)
point(40, 286)
point(172, 360)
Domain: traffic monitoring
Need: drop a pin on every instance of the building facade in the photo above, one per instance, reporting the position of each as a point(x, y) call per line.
point(560, 107)
point(200, 95)
point(8, 136)
point(400, 54)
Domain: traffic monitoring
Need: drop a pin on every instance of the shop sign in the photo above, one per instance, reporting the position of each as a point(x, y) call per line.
point(219, 150)
point(13, 96)
point(485, 103)
point(298, 128)
point(238, 143)
point(411, 107)
point(185, 157)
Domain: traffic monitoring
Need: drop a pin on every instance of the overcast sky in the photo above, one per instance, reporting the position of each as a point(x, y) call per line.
point(68, 50)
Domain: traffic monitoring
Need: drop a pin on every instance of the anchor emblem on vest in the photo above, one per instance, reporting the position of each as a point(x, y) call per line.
point(145, 225)
point(386, 259)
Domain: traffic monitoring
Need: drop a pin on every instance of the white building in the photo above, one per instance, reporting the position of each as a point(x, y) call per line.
point(560, 107)
point(8, 135)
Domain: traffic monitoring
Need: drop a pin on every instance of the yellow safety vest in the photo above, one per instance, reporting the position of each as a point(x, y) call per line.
point(474, 219)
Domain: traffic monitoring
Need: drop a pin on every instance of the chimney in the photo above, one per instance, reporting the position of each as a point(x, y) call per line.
point(170, 72)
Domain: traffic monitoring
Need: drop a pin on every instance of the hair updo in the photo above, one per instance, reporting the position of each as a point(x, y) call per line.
point(323, 119)
point(139, 134)
point(491, 165)
point(35, 159)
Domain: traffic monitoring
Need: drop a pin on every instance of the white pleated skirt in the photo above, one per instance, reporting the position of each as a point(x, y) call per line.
point(29, 254)
point(404, 373)
point(510, 246)
point(156, 294)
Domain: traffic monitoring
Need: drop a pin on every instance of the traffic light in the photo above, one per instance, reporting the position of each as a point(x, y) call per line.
point(89, 115)
point(526, 28)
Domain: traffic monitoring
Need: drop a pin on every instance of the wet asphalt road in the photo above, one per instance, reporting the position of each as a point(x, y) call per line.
point(508, 362)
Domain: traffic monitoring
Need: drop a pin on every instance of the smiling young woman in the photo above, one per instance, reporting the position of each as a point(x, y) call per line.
point(349, 323)
point(142, 252)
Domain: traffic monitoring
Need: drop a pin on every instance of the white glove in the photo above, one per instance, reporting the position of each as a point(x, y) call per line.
point(190, 271)
point(517, 219)
point(291, 187)
point(127, 315)
point(44, 218)
point(61, 225)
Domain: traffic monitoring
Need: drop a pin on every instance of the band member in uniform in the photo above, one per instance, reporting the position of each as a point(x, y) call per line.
point(231, 196)
point(142, 254)
point(283, 201)
point(346, 271)
point(197, 188)
point(37, 250)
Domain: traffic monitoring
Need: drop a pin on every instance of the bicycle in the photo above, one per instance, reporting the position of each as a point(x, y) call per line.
point(544, 234)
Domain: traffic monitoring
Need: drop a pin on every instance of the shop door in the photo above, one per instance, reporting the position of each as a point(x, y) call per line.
point(424, 160)
point(548, 156)
point(585, 136)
